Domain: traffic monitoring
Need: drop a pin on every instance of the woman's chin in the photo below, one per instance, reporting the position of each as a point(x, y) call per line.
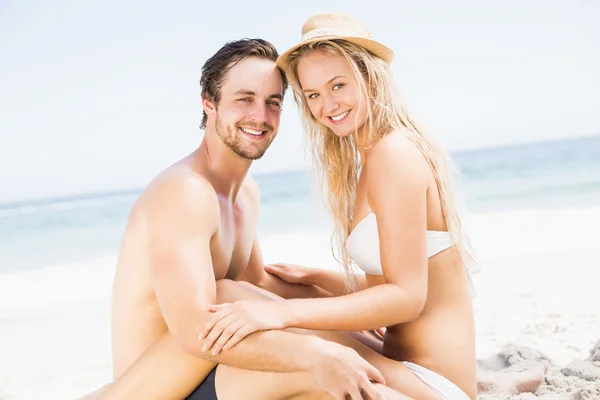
point(342, 132)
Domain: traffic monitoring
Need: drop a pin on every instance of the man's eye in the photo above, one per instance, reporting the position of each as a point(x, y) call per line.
point(274, 103)
point(247, 99)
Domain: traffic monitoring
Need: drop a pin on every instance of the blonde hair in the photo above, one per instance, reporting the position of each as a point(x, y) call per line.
point(337, 159)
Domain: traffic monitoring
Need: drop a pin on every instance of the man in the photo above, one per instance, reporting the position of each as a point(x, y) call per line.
point(191, 234)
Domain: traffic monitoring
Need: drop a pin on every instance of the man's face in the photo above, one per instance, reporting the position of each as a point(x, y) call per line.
point(247, 116)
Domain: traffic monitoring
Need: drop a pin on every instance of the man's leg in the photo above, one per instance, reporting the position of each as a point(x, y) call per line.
point(234, 384)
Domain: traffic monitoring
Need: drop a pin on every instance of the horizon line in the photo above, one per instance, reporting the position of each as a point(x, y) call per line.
point(136, 190)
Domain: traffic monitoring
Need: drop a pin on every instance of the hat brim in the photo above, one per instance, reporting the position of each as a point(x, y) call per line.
point(379, 49)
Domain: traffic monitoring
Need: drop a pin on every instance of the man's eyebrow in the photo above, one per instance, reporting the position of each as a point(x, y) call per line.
point(247, 92)
point(328, 82)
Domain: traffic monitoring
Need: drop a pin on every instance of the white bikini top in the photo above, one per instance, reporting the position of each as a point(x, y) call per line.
point(363, 245)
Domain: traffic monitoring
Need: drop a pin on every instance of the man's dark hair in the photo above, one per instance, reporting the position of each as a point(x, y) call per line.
point(216, 67)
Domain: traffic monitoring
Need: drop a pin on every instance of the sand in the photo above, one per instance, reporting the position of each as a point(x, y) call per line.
point(538, 297)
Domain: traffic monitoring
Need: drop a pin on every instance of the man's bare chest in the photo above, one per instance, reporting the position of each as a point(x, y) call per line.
point(231, 247)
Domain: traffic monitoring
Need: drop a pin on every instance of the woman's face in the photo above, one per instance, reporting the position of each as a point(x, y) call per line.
point(332, 92)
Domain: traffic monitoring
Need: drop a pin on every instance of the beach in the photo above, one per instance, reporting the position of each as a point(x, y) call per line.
point(100, 99)
point(538, 288)
point(532, 212)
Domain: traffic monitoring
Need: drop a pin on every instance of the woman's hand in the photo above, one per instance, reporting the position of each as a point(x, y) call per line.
point(232, 322)
point(291, 273)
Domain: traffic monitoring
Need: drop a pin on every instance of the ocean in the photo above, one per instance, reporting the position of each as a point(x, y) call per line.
point(55, 231)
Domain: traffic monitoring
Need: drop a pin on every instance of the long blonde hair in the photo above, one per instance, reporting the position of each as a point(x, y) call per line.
point(337, 159)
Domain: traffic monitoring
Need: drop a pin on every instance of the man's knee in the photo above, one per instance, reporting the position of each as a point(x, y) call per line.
point(246, 285)
point(259, 291)
point(226, 289)
point(229, 291)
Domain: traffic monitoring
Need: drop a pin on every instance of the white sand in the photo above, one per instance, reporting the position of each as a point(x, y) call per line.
point(539, 287)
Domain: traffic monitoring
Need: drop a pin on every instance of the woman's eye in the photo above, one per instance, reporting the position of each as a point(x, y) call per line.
point(312, 96)
point(338, 86)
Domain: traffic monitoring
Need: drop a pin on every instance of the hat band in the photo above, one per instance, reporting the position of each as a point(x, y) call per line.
point(320, 33)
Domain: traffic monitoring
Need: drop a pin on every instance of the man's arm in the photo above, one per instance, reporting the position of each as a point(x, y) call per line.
point(183, 216)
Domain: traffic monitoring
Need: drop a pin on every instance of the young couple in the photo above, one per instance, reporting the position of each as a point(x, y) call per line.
point(197, 315)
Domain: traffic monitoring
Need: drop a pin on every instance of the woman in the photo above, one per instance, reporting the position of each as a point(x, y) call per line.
point(390, 195)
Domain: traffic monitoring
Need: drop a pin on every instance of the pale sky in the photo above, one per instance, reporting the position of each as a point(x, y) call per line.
point(101, 97)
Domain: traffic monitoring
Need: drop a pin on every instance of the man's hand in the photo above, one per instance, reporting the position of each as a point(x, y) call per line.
point(343, 372)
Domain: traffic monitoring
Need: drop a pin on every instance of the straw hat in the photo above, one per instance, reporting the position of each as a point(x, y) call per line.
point(337, 26)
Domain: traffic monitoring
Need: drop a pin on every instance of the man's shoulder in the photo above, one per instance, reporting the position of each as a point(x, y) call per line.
point(180, 189)
point(181, 178)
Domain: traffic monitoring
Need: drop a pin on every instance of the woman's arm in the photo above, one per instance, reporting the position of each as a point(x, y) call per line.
point(334, 282)
point(257, 274)
point(397, 181)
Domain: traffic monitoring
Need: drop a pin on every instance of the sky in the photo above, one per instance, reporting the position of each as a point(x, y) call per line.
point(100, 96)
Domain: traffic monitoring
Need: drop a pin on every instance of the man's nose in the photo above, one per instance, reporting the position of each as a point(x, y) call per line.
point(259, 113)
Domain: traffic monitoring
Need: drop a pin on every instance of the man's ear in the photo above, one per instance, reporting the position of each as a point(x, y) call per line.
point(208, 106)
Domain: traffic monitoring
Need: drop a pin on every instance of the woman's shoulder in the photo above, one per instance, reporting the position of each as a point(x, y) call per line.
point(397, 151)
point(396, 169)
